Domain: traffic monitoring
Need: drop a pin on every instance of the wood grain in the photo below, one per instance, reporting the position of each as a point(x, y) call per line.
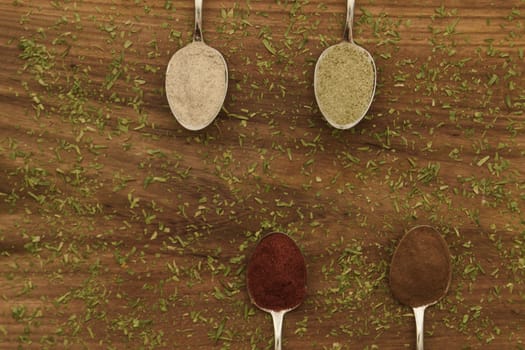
point(121, 230)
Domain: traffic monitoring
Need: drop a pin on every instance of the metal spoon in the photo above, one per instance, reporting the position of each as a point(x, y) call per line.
point(277, 318)
point(440, 283)
point(342, 118)
point(277, 314)
point(196, 80)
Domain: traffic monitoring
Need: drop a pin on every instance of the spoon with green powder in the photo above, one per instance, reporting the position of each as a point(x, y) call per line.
point(345, 79)
point(420, 272)
point(196, 80)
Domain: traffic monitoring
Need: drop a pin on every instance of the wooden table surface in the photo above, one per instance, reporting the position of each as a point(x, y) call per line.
point(119, 229)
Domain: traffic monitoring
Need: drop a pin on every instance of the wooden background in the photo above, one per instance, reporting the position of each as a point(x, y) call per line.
point(121, 230)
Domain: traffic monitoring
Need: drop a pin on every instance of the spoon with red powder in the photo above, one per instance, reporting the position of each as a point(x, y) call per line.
point(420, 272)
point(276, 278)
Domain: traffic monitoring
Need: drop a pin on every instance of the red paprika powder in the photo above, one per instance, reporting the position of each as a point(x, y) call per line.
point(276, 274)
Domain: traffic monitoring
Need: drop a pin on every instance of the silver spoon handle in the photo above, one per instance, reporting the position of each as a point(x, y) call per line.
point(197, 33)
point(419, 315)
point(277, 317)
point(347, 35)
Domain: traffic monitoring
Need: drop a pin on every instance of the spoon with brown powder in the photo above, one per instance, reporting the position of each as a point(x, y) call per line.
point(276, 278)
point(196, 80)
point(345, 79)
point(420, 272)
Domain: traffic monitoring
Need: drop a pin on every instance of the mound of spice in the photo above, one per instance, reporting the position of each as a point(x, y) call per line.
point(345, 83)
point(276, 273)
point(196, 84)
point(421, 269)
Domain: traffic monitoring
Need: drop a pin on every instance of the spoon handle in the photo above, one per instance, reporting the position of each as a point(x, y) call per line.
point(197, 33)
point(277, 317)
point(347, 35)
point(419, 315)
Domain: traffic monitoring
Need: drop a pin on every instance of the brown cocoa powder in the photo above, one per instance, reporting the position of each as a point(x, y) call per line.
point(421, 269)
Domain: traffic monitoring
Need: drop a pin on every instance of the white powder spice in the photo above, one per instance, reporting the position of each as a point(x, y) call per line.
point(196, 84)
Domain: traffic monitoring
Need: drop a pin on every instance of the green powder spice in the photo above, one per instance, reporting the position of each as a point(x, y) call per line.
point(344, 84)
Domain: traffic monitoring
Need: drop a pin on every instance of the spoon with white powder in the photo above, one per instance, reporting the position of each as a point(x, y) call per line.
point(196, 80)
point(345, 79)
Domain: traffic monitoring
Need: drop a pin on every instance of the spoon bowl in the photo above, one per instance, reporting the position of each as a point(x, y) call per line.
point(344, 94)
point(196, 80)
